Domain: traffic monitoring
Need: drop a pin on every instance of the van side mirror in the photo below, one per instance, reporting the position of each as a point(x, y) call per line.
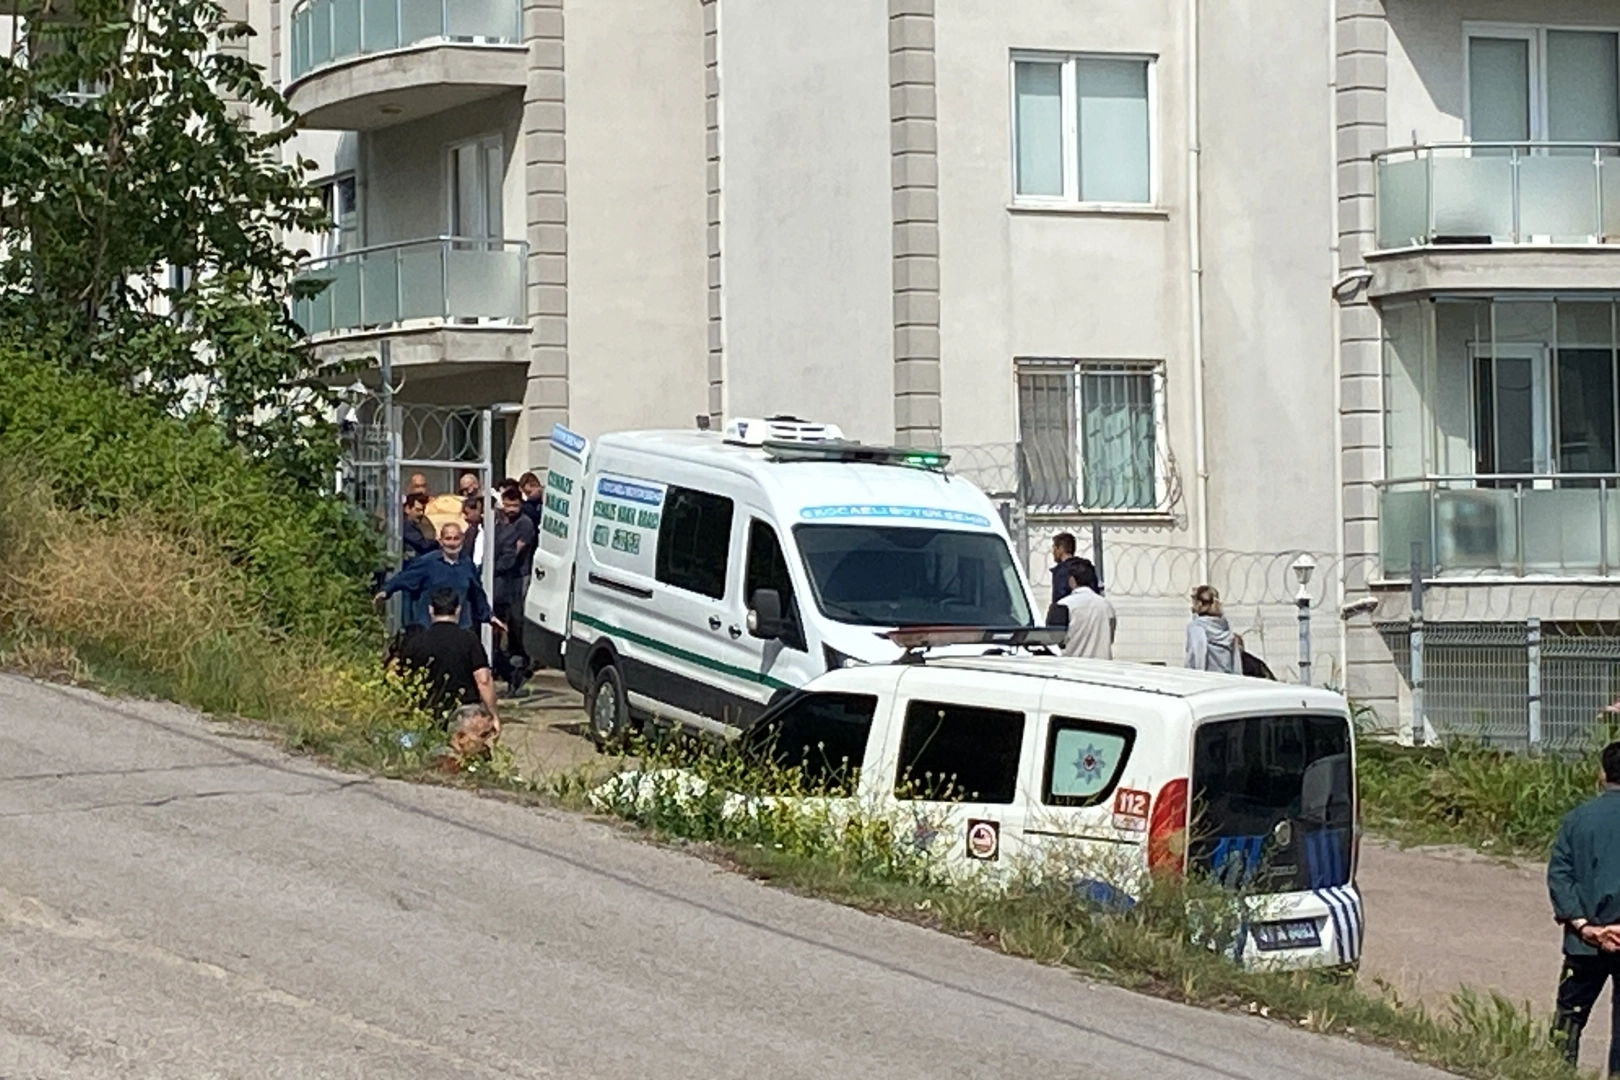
point(765, 614)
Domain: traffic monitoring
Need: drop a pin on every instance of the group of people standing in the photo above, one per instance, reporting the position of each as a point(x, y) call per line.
point(1091, 624)
point(441, 581)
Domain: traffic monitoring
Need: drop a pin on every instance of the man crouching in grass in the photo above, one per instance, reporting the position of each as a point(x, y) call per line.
point(455, 675)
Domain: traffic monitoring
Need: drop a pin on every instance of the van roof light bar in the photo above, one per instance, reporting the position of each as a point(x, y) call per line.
point(917, 640)
point(745, 431)
point(845, 451)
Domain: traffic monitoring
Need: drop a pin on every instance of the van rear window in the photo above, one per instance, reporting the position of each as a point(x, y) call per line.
point(822, 735)
point(959, 753)
point(1274, 801)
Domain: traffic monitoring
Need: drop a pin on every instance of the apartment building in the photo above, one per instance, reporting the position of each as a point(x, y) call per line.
point(1236, 278)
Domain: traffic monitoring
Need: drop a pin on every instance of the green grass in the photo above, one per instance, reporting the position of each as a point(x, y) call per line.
point(1495, 802)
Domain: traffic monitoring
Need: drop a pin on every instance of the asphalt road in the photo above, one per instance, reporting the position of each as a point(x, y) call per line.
point(178, 902)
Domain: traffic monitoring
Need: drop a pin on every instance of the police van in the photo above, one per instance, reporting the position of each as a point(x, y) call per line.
point(1113, 769)
point(696, 576)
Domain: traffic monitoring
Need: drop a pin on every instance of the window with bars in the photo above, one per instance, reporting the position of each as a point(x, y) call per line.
point(1090, 435)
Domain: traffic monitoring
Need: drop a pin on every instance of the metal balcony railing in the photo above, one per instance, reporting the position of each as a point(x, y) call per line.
point(446, 279)
point(1565, 525)
point(1498, 193)
point(328, 31)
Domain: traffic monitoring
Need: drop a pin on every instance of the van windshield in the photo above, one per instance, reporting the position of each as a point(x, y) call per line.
point(900, 576)
point(1274, 802)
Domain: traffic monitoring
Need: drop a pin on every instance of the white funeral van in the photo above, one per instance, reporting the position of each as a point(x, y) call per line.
point(1109, 768)
point(696, 576)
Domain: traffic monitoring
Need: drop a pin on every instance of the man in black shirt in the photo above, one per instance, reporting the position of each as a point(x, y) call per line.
point(451, 660)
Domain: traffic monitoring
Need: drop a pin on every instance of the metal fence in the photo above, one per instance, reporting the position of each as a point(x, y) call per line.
point(1536, 665)
point(386, 443)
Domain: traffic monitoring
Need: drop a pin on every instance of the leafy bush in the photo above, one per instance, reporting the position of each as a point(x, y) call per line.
point(299, 562)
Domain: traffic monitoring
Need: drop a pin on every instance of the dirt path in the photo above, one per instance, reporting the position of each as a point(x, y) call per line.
point(1437, 920)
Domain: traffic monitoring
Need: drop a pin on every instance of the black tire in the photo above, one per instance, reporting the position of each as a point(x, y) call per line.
point(607, 709)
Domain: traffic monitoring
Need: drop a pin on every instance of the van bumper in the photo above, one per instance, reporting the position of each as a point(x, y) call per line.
point(1337, 914)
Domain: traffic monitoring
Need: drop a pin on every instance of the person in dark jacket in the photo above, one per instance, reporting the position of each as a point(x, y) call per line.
point(1067, 566)
point(514, 538)
point(445, 570)
point(1583, 880)
point(416, 531)
point(533, 497)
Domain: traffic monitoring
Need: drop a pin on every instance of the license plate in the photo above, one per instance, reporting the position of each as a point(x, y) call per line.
point(1294, 934)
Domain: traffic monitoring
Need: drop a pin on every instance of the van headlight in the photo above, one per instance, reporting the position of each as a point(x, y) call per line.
point(836, 659)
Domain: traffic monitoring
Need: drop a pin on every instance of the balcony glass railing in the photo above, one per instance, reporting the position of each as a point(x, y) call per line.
point(327, 31)
point(1499, 193)
point(1501, 526)
point(445, 280)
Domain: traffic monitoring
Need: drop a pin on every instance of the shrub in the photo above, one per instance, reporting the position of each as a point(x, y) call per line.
point(300, 560)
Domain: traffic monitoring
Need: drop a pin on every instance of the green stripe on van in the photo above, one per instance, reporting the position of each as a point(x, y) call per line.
point(682, 654)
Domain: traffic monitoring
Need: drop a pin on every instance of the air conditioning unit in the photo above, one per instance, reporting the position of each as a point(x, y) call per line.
point(752, 432)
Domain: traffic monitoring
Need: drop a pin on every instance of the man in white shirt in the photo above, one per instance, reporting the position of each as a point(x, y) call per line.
point(1091, 617)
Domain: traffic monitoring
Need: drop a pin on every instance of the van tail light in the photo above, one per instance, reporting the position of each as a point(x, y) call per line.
point(1167, 830)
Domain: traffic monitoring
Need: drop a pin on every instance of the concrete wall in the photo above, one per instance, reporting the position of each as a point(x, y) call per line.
point(1268, 228)
point(806, 212)
point(1427, 87)
point(405, 175)
point(1017, 282)
point(637, 317)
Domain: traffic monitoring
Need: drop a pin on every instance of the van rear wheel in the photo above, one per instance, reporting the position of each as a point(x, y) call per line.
point(609, 711)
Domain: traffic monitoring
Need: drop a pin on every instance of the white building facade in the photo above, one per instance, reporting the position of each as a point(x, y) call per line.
point(1240, 280)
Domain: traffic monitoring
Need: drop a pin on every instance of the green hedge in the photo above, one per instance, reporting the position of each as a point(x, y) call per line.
point(108, 452)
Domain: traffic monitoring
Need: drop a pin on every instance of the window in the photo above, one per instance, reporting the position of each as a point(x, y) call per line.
point(1083, 129)
point(1252, 775)
point(768, 569)
point(1543, 84)
point(824, 735)
point(694, 542)
point(340, 198)
point(872, 575)
point(1084, 761)
point(1090, 435)
point(477, 177)
point(960, 753)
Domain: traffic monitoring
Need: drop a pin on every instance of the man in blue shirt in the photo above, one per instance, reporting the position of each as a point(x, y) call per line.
point(444, 569)
point(1583, 879)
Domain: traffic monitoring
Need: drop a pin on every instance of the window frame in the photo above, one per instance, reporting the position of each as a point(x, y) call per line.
point(795, 639)
point(483, 143)
point(332, 238)
point(1070, 199)
point(660, 562)
point(1056, 723)
point(1536, 35)
point(967, 797)
point(1076, 367)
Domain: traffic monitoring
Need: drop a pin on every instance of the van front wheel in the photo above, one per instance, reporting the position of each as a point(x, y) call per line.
point(609, 712)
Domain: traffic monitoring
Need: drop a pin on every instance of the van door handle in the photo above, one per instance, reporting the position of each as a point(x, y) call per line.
point(735, 632)
point(714, 622)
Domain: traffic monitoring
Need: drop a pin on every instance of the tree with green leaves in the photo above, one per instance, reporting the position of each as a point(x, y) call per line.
point(144, 201)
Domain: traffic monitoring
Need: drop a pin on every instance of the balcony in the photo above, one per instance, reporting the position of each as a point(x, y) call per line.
point(446, 300)
point(359, 65)
point(1496, 216)
point(1556, 526)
